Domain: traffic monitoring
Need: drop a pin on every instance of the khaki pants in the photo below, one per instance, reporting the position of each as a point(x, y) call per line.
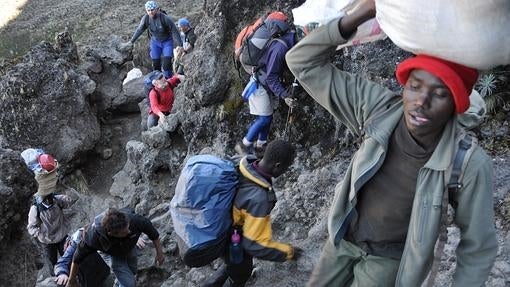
point(349, 265)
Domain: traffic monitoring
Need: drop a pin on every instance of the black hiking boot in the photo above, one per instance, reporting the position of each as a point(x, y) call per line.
point(218, 278)
point(242, 149)
point(260, 149)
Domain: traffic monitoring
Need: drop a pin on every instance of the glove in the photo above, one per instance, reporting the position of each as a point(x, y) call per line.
point(181, 77)
point(291, 102)
point(124, 47)
point(298, 252)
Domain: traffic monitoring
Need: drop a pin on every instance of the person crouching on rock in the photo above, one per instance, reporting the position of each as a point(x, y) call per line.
point(161, 98)
point(116, 233)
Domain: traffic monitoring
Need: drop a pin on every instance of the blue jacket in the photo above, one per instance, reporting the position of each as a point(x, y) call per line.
point(64, 263)
point(272, 64)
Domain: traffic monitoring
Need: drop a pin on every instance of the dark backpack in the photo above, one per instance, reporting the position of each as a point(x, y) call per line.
point(201, 208)
point(148, 86)
point(253, 40)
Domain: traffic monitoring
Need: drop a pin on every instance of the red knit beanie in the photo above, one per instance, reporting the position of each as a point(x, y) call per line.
point(458, 78)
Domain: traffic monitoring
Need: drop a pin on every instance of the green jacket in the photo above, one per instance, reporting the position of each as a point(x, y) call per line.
point(372, 112)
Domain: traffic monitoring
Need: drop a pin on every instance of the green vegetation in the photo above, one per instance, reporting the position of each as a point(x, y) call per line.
point(493, 87)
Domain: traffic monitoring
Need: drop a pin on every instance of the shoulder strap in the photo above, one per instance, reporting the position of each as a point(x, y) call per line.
point(464, 145)
point(453, 186)
point(281, 41)
point(165, 25)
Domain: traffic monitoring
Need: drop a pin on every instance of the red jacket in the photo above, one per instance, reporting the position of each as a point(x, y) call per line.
point(165, 101)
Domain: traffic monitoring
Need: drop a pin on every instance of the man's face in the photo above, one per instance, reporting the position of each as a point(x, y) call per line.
point(152, 12)
point(161, 83)
point(428, 104)
point(184, 29)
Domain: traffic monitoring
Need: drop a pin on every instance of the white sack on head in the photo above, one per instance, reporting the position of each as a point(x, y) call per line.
point(323, 11)
point(472, 33)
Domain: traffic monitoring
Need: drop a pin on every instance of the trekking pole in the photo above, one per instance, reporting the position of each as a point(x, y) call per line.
point(289, 113)
point(287, 124)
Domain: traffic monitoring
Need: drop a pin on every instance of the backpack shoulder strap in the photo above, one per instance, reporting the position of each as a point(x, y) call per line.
point(460, 160)
point(459, 163)
point(281, 41)
point(164, 22)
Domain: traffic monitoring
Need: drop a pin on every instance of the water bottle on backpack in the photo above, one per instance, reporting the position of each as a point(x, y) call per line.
point(236, 251)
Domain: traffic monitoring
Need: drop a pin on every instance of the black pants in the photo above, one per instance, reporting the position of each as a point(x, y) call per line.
point(53, 249)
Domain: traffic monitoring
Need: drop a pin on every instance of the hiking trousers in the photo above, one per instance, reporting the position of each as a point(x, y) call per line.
point(124, 268)
point(162, 52)
point(259, 129)
point(52, 251)
point(349, 265)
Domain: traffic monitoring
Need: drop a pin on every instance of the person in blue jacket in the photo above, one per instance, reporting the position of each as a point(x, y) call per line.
point(269, 72)
point(163, 35)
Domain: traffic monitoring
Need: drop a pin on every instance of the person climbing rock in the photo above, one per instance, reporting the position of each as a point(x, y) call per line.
point(268, 73)
point(254, 200)
point(161, 98)
point(387, 212)
point(163, 36)
point(116, 233)
point(188, 38)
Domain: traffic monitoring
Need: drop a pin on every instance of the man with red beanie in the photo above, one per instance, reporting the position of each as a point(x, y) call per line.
point(386, 215)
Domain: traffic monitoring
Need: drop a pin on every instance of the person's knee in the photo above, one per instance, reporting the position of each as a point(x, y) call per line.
point(152, 121)
point(124, 274)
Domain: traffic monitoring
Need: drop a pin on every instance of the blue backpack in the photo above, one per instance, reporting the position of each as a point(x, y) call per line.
point(201, 208)
point(147, 84)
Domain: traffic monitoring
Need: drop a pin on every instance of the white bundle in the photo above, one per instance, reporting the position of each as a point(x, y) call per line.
point(134, 73)
point(323, 11)
point(473, 33)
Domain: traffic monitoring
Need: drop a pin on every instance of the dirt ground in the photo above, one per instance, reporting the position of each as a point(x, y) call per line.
point(24, 22)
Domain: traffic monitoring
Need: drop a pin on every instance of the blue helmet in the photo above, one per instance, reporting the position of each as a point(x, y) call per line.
point(183, 22)
point(151, 5)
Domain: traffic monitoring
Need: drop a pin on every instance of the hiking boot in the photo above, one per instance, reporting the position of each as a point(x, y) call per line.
point(260, 149)
point(242, 149)
point(218, 278)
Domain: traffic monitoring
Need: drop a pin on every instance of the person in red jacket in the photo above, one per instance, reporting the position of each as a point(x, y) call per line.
point(161, 98)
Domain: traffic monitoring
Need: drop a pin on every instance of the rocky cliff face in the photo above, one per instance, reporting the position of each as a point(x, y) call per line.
point(71, 101)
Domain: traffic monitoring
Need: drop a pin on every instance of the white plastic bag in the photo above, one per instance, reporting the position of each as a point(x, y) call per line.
point(323, 11)
point(473, 33)
point(319, 11)
point(135, 73)
point(31, 156)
